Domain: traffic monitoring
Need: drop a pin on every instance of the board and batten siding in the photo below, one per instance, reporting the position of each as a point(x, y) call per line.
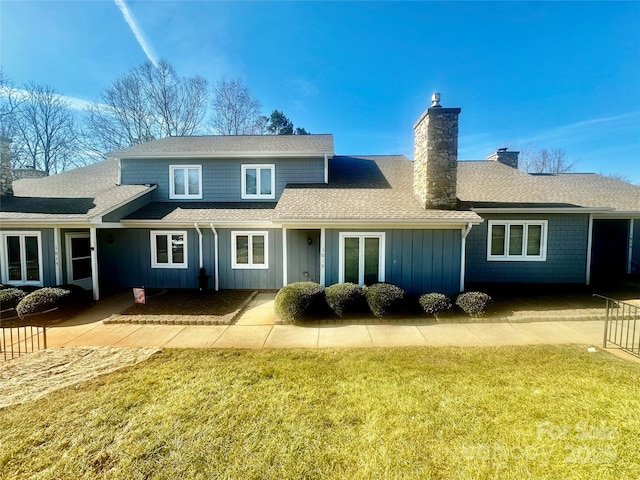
point(221, 178)
point(566, 260)
point(48, 253)
point(420, 261)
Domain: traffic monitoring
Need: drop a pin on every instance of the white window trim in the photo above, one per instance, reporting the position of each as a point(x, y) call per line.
point(154, 252)
point(254, 266)
point(186, 196)
point(5, 259)
point(518, 258)
point(361, 236)
point(258, 167)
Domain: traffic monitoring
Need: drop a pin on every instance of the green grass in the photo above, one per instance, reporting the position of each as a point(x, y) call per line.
point(520, 412)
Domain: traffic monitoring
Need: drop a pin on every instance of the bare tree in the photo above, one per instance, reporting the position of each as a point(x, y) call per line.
point(542, 160)
point(43, 128)
point(146, 103)
point(10, 98)
point(235, 111)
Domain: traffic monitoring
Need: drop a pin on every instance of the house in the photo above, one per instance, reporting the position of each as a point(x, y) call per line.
point(259, 212)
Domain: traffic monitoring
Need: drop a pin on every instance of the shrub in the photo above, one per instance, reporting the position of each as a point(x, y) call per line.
point(385, 299)
point(346, 299)
point(300, 300)
point(473, 303)
point(435, 303)
point(10, 297)
point(66, 298)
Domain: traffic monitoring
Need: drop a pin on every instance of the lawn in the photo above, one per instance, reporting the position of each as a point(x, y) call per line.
point(461, 413)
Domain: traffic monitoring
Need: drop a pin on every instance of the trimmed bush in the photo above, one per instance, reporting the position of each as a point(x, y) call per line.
point(473, 303)
point(300, 300)
point(10, 297)
point(66, 298)
point(385, 299)
point(435, 303)
point(346, 299)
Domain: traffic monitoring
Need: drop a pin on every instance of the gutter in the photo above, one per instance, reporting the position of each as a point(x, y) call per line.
point(544, 210)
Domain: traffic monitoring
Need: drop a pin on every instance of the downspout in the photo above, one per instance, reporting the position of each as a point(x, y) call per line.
point(215, 257)
point(201, 261)
point(463, 254)
point(589, 248)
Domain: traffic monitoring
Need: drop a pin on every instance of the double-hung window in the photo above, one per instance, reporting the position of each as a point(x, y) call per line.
point(249, 250)
point(22, 258)
point(185, 182)
point(361, 257)
point(516, 240)
point(258, 182)
point(168, 249)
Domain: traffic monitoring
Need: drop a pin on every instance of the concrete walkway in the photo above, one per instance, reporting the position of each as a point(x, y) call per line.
point(256, 329)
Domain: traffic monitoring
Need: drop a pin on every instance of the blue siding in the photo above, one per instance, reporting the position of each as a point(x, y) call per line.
point(221, 178)
point(48, 253)
point(566, 253)
point(419, 261)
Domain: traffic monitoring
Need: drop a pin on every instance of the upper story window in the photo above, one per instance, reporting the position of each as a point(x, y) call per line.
point(258, 181)
point(185, 181)
point(516, 240)
point(21, 258)
point(168, 249)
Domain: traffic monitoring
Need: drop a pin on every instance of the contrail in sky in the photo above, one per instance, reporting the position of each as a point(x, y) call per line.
point(128, 16)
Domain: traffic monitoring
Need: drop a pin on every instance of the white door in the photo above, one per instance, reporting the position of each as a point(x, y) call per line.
point(79, 260)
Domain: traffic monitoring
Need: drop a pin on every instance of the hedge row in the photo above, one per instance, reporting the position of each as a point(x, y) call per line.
point(308, 300)
point(65, 299)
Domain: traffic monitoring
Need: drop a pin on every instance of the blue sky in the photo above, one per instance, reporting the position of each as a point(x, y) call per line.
point(557, 75)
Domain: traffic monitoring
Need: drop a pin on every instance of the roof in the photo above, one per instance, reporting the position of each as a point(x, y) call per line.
point(79, 194)
point(230, 145)
point(204, 212)
point(491, 184)
point(376, 188)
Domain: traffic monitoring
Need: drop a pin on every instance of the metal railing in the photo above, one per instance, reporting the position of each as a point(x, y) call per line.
point(20, 336)
point(621, 325)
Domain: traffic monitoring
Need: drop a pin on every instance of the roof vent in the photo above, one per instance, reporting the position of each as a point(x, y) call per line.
point(435, 100)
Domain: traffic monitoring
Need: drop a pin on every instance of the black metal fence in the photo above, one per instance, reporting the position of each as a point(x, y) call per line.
point(19, 337)
point(622, 325)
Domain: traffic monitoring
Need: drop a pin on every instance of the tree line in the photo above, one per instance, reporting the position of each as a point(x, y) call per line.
point(144, 104)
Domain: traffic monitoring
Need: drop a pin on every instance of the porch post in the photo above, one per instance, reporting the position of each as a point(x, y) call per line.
point(630, 255)
point(57, 257)
point(284, 257)
point(463, 255)
point(323, 280)
point(589, 248)
point(94, 262)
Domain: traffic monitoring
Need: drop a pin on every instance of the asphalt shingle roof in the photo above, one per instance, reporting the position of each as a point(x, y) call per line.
point(218, 145)
point(79, 194)
point(492, 184)
point(377, 188)
point(204, 212)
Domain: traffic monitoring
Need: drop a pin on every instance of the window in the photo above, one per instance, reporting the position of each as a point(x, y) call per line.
point(361, 258)
point(185, 181)
point(168, 249)
point(21, 260)
point(249, 250)
point(258, 181)
point(517, 240)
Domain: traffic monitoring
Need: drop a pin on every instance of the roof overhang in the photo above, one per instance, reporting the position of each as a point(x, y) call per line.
point(200, 222)
point(585, 210)
point(391, 224)
point(98, 218)
point(214, 155)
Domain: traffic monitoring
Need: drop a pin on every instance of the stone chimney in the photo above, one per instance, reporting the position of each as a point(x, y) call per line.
point(504, 156)
point(6, 180)
point(436, 156)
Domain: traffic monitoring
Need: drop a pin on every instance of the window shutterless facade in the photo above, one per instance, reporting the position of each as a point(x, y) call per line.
point(22, 258)
point(249, 250)
point(168, 249)
point(185, 182)
point(515, 240)
point(258, 182)
point(361, 257)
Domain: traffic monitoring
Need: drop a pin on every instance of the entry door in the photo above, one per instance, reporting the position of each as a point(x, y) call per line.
point(79, 260)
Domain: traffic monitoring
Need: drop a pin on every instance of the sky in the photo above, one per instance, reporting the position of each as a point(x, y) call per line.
point(555, 75)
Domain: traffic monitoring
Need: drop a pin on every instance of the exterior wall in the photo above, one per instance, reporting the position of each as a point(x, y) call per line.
point(125, 261)
point(566, 261)
point(48, 253)
point(303, 258)
point(420, 261)
point(130, 207)
point(221, 178)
